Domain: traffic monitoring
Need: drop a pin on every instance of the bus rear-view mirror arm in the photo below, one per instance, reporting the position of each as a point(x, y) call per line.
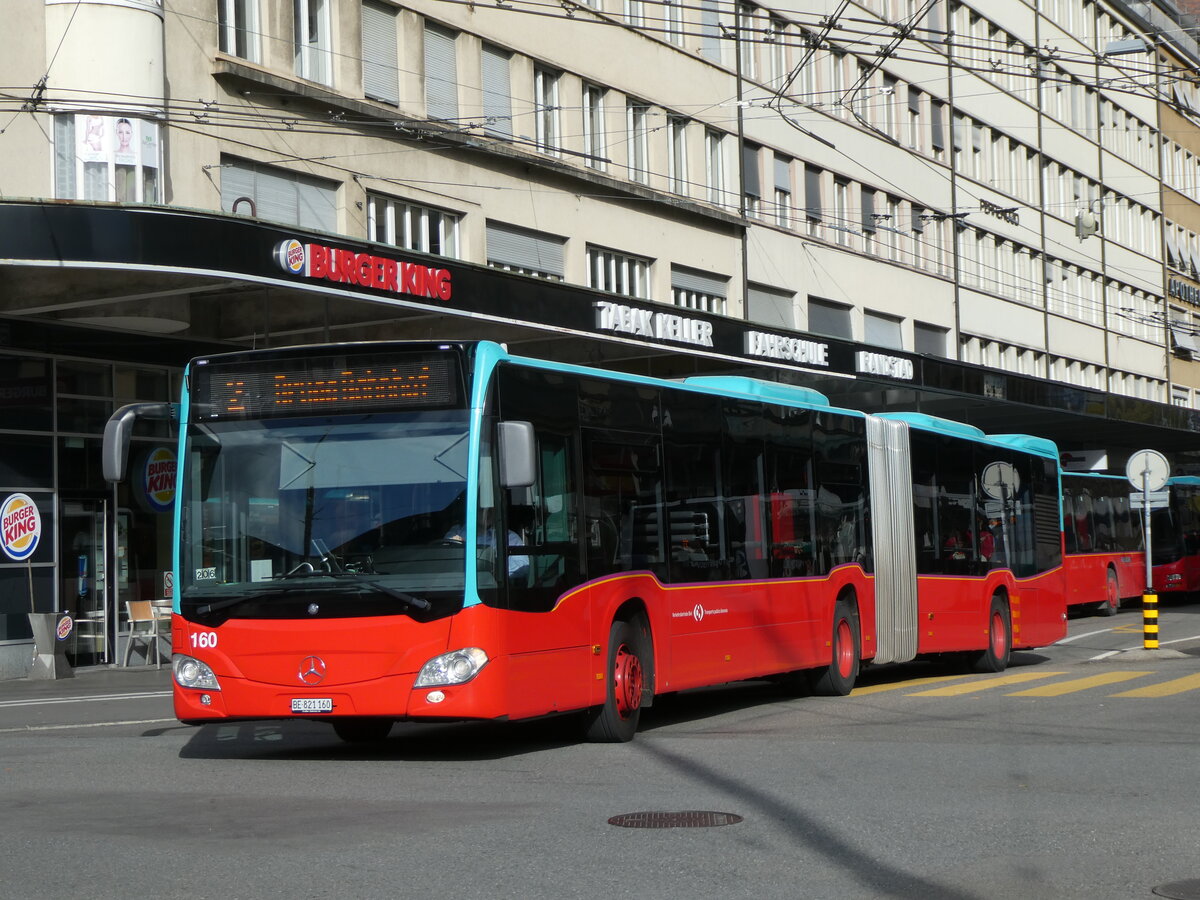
point(119, 428)
point(518, 466)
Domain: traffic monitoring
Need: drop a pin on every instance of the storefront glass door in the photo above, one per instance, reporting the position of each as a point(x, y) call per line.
point(82, 583)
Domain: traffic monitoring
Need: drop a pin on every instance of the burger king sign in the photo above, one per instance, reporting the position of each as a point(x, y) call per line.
point(20, 527)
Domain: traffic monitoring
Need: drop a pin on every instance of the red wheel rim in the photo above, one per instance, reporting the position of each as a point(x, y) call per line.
point(843, 649)
point(627, 681)
point(999, 635)
point(1113, 600)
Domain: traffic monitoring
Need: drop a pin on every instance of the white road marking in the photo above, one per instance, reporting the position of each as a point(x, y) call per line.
point(47, 701)
point(86, 725)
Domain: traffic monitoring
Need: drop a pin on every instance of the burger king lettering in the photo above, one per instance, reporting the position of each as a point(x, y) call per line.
point(20, 527)
point(158, 479)
point(363, 270)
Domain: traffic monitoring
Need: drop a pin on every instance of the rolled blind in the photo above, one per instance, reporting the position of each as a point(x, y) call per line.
point(380, 66)
point(520, 248)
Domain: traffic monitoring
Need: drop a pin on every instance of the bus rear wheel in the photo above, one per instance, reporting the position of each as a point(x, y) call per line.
point(999, 645)
point(1112, 596)
point(362, 731)
point(837, 679)
point(617, 720)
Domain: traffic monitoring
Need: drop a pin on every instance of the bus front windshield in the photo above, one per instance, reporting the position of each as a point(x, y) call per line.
point(364, 506)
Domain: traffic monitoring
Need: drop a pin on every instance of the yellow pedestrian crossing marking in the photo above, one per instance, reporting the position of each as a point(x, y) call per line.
point(979, 683)
point(1164, 688)
point(987, 684)
point(901, 685)
point(1058, 688)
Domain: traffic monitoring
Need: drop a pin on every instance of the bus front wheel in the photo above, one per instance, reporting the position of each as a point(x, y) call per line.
point(617, 720)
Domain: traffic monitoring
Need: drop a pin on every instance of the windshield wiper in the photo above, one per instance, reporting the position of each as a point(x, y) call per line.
point(418, 603)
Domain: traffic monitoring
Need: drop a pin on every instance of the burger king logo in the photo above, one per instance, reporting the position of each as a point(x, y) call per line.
point(65, 624)
point(290, 256)
point(20, 527)
point(158, 479)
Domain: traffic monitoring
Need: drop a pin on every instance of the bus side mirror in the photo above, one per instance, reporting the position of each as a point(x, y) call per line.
point(518, 459)
point(118, 429)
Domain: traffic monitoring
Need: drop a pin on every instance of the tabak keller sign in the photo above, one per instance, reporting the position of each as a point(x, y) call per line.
point(366, 270)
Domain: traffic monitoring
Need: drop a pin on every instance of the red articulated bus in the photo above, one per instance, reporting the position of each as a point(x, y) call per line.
point(1175, 539)
point(382, 532)
point(1105, 558)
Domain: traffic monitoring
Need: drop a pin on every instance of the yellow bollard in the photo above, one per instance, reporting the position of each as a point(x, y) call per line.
point(1150, 621)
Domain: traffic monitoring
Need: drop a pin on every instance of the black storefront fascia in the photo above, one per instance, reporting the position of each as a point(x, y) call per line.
point(669, 340)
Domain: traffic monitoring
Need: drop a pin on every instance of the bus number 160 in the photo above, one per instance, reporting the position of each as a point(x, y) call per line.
point(204, 640)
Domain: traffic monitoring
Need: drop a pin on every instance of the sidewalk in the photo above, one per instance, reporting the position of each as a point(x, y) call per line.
point(90, 681)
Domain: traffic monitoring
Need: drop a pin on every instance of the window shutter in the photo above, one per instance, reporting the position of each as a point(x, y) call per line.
point(750, 178)
point(497, 91)
point(812, 192)
point(698, 282)
point(381, 80)
point(441, 74)
point(520, 248)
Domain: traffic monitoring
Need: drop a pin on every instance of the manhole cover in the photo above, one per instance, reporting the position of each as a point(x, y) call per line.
point(1180, 890)
point(689, 819)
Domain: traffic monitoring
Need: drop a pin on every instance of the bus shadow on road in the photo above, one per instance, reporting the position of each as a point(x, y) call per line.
point(407, 742)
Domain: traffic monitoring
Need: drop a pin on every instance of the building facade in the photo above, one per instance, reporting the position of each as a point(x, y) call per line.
point(987, 211)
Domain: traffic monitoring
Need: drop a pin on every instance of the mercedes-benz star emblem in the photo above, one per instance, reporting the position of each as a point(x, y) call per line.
point(312, 670)
point(313, 609)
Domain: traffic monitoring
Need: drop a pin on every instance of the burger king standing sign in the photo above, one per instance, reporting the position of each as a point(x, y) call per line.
point(20, 527)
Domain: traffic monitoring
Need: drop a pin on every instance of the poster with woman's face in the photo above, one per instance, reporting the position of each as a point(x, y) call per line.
point(126, 142)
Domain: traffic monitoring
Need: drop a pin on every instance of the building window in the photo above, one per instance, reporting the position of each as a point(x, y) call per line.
point(673, 21)
point(751, 180)
point(113, 158)
point(381, 74)
point(618, 273)
point(714, 165)
point(594, 144)
point(634, 14)
point(525, 251)
point(711, 40)
point(637, 114)
point(278, 195)
point(869, 220)
point(747, 41)
point(783, 192)
point(313, 48)
point(677, 163)
point(694, 289)
point(841, 210)
point(441, 73)
point(914, 118)
point(929, 339)
point(238, 24)
point(812, 199)
point(880, 330)
point(829, 318)
point(497, 91)
point(548, 128)
point(419, 228)
point(771, 307)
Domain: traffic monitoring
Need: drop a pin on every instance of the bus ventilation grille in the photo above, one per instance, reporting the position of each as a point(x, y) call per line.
point(689, 819)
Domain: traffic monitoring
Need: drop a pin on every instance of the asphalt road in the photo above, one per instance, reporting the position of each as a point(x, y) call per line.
point(1071, 775)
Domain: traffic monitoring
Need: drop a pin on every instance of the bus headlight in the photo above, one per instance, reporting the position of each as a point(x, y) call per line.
point(457, 667)
point(192, 673)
